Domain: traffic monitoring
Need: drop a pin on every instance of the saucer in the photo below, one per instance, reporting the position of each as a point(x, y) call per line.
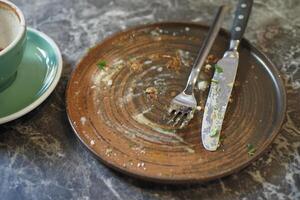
point(37, 76)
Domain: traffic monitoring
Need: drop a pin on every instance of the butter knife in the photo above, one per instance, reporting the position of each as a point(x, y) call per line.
point(223, 80)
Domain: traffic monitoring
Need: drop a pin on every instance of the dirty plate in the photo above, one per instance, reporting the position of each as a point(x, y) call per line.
point(119, 92)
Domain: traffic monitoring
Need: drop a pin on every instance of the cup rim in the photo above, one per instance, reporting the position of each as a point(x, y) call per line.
point(20, 15)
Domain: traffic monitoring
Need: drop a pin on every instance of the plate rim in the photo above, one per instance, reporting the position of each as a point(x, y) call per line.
point(166, 180)
point(50, 89)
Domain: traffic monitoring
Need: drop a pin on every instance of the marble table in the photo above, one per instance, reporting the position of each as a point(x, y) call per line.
point(40, 157)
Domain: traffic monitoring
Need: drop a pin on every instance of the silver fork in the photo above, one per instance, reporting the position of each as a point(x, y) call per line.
point(183, 106)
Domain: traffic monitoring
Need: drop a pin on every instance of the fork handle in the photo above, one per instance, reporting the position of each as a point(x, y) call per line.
point(205, 49)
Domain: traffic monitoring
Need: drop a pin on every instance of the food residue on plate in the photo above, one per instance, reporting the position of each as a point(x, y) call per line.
point(218, 69)
point(211, 59)
point(108, 152)
point(101, 64)
point(202, 85)
point(199, 108)
point(106, 73)
point(151, 93)
point(109, 82)
point(207, 67)
point(135, 66)
point(174, 63)
point(147, 62)
point(251, 149)
point(160, 69)
point(83, 120)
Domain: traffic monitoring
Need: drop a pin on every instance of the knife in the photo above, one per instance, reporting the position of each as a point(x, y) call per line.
point(223, 80)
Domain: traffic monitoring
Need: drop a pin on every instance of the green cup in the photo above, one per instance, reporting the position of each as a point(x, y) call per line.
point(12, 42)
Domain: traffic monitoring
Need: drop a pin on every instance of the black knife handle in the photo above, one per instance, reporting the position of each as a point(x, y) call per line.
point(240, 21)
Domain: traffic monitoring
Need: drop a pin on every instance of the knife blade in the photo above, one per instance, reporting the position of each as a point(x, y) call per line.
point(223, 81)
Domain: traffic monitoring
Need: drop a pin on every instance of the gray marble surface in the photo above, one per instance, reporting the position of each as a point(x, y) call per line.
point(40, 157)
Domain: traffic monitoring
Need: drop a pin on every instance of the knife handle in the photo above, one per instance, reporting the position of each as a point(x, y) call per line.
point(240, 21)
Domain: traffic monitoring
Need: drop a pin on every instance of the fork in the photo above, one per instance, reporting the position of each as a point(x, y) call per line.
point(183, 105)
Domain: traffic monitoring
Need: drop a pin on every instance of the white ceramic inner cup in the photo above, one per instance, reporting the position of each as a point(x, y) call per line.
point(12, 25)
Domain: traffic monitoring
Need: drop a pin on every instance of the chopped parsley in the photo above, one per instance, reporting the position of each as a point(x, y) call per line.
point(213, 133)
point(218, 69)
point(214, 81)
point(131, 145)
point(101, 65)
point(222, 138)
point(251, 149)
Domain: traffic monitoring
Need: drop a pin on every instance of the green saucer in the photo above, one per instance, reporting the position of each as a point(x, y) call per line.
point(37, 76)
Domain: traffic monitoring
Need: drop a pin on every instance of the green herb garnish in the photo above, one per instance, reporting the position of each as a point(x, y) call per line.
point(131, 145)
point(101, 65)
point(214, 81)
point(251, 149)
point(218, 69)
point(222, 138)
point(214, 132)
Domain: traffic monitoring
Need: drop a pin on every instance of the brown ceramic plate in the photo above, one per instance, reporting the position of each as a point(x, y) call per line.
point(126, 128)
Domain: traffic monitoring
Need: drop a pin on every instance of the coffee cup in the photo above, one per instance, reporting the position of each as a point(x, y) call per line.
point(12, 42)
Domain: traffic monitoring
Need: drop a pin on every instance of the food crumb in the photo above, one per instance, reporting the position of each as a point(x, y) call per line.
point(174, 63)
point(151, 92)
point(199, 108)
point(92, 142)
point(83, 120)
point(207, 67)
point(108, 151)
point(160, 69)
point(202, 85)
point(211, 59)
point(141, 164)
point(173, 94)
point(147, 62)
point(190, 150)
point(135, 66)
point(187, 29)
point(109, 82)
